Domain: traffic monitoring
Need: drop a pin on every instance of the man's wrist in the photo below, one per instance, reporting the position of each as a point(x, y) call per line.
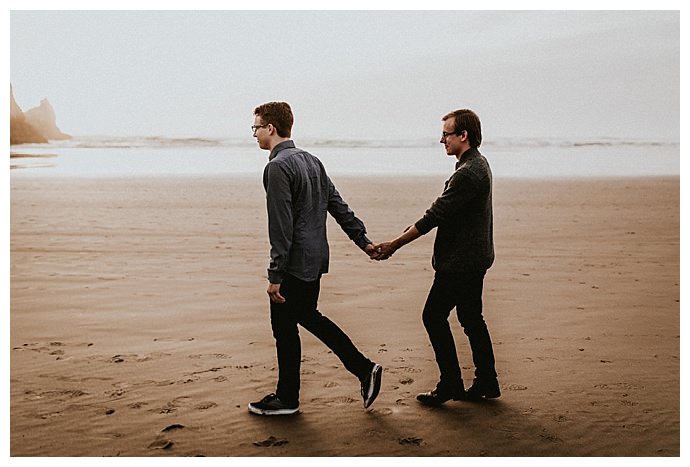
point(274, 278)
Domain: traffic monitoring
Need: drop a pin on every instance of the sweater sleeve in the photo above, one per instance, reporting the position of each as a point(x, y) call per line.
point(460, 189)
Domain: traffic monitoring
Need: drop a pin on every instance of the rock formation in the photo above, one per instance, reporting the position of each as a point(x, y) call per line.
point(37, 125)
point(21, 131)
point(43, 119)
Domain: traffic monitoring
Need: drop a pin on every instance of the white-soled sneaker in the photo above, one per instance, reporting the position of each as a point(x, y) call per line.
point(371, 385)
point(271, 405)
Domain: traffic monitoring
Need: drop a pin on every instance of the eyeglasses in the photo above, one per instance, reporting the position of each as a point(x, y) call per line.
point(256, 127)
point(445, 134)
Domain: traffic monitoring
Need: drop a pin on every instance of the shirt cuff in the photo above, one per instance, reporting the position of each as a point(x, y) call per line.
point(363, 241)
point(274, 277)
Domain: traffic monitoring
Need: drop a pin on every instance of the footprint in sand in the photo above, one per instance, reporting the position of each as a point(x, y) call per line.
point(46, 416)
point(172, 406)
point(116, 393)
point(515, 387)
point(167, 409)
point(550, 438)
point(334, 401)
point(411, 441)
point(124, 358)
point(26, 346)
point(151, 356)
point(205, 405)
point(509, 433)
point(271, 441)
point(618, 386)
point(218, 356)
point(59, 394)
point(174, 426)
point(162, 444)
point(50, 347)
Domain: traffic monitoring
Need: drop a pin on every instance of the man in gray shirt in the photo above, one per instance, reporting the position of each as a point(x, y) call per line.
point(463, 251)
point(299, 194)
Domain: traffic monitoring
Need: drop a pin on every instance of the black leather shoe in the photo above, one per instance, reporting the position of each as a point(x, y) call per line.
point(436, 398)
point(483, 389)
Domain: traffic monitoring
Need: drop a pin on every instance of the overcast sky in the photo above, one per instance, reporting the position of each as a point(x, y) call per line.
point(359, 74)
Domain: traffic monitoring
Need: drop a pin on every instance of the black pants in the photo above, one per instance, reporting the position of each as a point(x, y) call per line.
point(463, 292)
point(300, 308)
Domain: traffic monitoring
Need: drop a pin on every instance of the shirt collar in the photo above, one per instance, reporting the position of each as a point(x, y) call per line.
point(467, 155)
point(279, 147)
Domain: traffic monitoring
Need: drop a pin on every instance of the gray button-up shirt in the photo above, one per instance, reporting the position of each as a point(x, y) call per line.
point(299, 193)
point(464, 217)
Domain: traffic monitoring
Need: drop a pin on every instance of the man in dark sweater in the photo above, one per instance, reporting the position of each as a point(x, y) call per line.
point(463, 251)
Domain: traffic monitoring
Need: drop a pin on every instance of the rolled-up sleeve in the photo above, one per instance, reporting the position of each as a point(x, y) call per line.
point(280, 225)
point(345, 217)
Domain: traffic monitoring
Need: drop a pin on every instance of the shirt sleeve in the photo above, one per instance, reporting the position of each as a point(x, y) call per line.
point(459, 190)
point(345, 217)
point(280, 228)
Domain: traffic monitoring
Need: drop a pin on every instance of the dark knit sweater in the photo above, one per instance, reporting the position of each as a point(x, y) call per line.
point(464, 217)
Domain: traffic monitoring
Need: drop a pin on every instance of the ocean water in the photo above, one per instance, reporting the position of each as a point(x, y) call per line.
point(155, 156)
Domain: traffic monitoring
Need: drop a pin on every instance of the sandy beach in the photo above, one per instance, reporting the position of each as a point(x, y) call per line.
point(139, 322)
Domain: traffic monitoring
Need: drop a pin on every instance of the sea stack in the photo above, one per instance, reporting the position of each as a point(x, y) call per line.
point(43, 119)
point(21, 131)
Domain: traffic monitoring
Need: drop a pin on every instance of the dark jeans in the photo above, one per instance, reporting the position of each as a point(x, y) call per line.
point(300, 308)
point(463, 292)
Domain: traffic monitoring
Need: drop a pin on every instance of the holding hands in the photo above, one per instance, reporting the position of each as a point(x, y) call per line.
point(383, 251)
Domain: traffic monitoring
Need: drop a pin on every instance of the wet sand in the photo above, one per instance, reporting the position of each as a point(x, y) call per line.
point(139, 323)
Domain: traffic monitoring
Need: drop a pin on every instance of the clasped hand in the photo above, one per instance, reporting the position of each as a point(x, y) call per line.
point(380, 251)
point(385, 250)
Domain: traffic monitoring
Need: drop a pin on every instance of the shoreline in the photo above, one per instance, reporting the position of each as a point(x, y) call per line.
point(350, 176)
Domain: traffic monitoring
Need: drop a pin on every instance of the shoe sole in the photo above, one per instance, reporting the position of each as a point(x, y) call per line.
point(431, 404)
point(492, 395)
point(258, 411)
point(375, 387)
point(436, 403)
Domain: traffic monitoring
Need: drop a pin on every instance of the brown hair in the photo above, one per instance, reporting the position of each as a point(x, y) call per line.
point(278, 114)
point(467, 120)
